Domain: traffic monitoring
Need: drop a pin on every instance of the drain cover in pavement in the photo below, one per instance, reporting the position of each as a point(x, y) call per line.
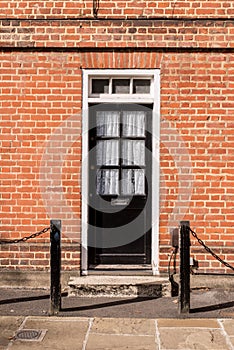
point(30, 334)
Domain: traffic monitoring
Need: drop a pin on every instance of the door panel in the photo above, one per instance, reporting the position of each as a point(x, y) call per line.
point(119, 184)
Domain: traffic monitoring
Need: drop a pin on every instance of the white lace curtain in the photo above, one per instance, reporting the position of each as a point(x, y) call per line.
point(107, 152)
point(134, 123)
point(108, 181)
point(108, 123)
point(133, 182)
point(132, 152)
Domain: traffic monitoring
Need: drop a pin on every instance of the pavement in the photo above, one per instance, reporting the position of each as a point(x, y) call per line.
point(116, 323)
point(93, 333)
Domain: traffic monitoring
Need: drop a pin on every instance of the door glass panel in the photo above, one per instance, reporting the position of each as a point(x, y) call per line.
point(107, 152)
point(121, 86)
point(107, 182)
point(134, 124)
point(133, 152)
point(133, 182)
point(108, 124)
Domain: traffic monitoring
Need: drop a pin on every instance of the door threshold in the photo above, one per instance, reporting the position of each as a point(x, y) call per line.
point(102, 269)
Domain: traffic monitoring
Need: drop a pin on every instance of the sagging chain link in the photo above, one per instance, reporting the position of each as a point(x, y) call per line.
point(210, 251)
point(26, 238)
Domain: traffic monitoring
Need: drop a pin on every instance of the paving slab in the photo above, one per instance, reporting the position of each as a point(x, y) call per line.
point(126, 326)
point(188, 323)
point(202, 334)
point(120, 342)
point(229, 326)
point(8, 327)
point(192, 338)
point(112, 333)
point(62, 333)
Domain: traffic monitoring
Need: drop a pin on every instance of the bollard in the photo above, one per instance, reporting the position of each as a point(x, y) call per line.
point(55, 266)
point(184, 295)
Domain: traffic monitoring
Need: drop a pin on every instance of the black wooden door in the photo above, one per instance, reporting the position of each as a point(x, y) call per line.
point(119, 184)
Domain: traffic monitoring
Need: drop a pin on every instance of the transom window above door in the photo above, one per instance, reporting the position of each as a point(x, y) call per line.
point(113, 86)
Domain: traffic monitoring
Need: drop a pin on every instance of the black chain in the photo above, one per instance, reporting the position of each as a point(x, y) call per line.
point(210, 251)
point(24, 239)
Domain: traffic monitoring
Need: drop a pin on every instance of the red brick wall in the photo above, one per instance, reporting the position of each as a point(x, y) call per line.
point(130, 8)
point(197, 97)
point(38, 92)
point(42, 90)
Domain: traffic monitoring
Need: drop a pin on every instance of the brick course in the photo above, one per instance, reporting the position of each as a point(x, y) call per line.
point(113, 9)
point(41, 88)
point(120, 33)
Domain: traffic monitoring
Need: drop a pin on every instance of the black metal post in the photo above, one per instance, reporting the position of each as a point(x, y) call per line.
point(184, 296)
point(55, 266)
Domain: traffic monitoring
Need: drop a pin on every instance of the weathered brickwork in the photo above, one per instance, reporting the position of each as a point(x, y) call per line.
point(121, 33)
point(41, 90)
point(119, 8)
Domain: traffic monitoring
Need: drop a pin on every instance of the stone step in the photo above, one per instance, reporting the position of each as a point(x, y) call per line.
point(119, 286)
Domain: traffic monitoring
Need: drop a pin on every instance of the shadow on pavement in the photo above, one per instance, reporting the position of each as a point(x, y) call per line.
point(35, 303)
point(107, 304)
point(212, 307)
point(26, 299)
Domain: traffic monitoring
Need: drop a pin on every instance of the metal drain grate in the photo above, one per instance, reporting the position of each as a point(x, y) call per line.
point(30, 334)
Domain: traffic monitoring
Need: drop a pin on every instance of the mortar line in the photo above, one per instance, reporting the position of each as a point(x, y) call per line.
point(187, 327)
point(157, 335)
point(59, 319)
point(226, 336)
point(125, 334)
point(87, 333)
point(23, 323)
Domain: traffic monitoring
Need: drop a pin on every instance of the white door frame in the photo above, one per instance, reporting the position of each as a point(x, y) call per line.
point(154, 98)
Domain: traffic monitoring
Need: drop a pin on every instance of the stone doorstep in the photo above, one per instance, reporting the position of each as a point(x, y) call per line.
point(119, 286)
